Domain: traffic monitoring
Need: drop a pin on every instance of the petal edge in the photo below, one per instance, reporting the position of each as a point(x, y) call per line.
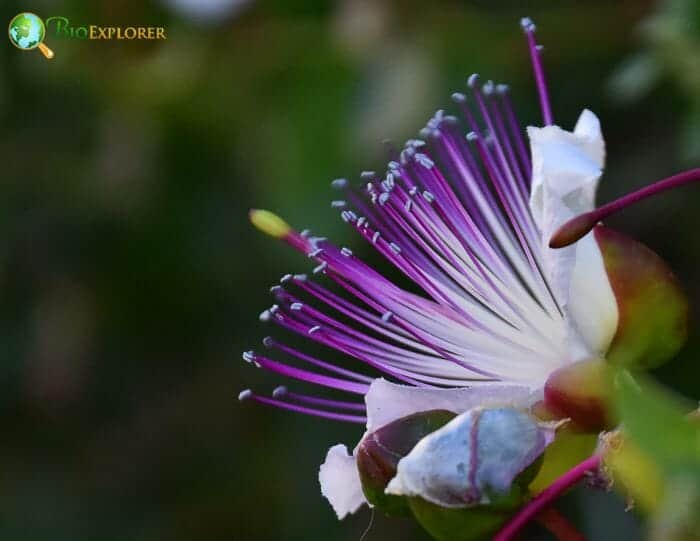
point(340, 481)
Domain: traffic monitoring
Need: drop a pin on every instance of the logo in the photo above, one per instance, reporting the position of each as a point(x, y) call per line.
point(63, 29)
point(27, 32)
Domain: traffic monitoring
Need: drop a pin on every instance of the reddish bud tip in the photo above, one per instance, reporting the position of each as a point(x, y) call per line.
point(580, 391)
point(573, 230)
point(540, 410)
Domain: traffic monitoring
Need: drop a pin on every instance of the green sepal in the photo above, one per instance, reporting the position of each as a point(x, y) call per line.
point(473, 524)
point(380, 451)
point(652, 309)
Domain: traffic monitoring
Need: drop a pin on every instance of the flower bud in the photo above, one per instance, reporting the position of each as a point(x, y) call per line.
point(474, 459)
point(379, 452)
point(464, 480)
point(580, 391)
point(652, 309)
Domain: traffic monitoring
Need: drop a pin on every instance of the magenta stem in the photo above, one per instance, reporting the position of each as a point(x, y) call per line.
point(540, 79)
point(559, 526)
point(545, 498)
point(669, 183)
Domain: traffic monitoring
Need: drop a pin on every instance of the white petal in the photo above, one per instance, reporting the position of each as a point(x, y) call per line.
point(387, 401)
point(593, 310)
point(566, 168)
point(340, 481)
point(477, 453)
point(591, 137)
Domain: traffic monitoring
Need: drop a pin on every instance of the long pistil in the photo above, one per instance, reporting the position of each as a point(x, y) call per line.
point(580, 226)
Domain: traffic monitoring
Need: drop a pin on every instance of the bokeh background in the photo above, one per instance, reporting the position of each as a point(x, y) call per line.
point(130, 279)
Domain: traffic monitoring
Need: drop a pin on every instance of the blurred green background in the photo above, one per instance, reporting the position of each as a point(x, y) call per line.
point(130, 277)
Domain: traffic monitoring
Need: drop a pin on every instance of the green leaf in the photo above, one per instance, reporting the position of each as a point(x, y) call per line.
point(658, 423)
point(659, 457)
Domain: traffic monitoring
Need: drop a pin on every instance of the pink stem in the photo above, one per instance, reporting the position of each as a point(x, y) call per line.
point(545, 498)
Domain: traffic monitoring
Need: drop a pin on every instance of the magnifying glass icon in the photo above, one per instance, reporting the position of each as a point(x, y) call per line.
point(27, 32)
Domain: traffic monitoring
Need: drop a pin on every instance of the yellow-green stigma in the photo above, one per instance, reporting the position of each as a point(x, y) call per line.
point(269, 223)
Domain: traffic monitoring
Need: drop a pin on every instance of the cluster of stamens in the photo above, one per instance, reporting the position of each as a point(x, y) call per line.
point(451, 213)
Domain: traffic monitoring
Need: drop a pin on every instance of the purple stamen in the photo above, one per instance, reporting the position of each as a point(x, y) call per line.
point(518, 198)
point(339, 183)
point(424, 338)
point(348, 341)
point(538, 68)
point(515, 130)
point(501, 135)
point(357, 419)
point(311, 377)
point(270, 343)
point(452, 215)
point(283, 392)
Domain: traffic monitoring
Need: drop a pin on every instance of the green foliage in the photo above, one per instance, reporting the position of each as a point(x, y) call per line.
point(665, 457)
point(671, 38)
point(658, 423)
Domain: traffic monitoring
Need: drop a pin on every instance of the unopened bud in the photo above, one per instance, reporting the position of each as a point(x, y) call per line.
point(474, 459)
point(380, 451)
point(465, 479)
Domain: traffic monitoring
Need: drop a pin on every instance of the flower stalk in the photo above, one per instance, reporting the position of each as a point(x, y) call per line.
point(543, 500)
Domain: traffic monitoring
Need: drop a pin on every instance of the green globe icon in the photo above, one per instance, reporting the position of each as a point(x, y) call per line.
point(27, 32)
